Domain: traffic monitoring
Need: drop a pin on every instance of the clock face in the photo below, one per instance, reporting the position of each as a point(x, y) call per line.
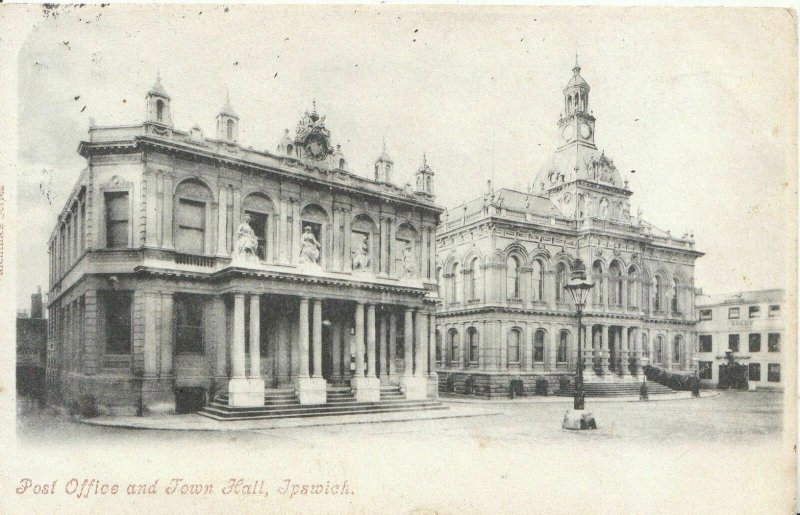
point(586, 131)
point(567, 133)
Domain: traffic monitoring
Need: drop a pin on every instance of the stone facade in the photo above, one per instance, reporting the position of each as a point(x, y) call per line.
point(505, 257)
point(183, 265)
point(751, 324)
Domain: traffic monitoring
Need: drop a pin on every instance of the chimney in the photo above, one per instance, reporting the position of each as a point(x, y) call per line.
point(36, 303)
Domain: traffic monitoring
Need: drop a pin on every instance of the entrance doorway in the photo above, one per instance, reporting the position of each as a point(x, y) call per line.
point(327, 351)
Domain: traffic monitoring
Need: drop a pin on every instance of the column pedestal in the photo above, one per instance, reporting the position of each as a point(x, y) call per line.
point(366, 389)
point(311, 390)
point(415, 388)
point(245, 392)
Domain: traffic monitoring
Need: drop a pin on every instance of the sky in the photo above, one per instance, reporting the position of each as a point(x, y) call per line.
point(696, 106)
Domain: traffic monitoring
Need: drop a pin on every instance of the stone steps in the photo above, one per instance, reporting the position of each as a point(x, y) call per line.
point(340, 401)
point(617, 389)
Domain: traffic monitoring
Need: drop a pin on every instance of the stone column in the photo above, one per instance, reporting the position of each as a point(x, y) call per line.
point(303, 343)
point(432, 256)
point(391, 249)
point(624, 352)
point(359, 344)
point(421, 344)
point(384, 251)
point(150, 350)
point(336, 334)
point(432, 346)
point(392, 358)
point(282, 243)
point(167, 333)
point(255, 379)
point(604, 350)
point(237, 350)
point(317, 338)
point(221, 351)
point(382, 343)
point(408, 357)
point(552, 349)
point(297, 230)
point(222, 222)
point(527, 364)
point(371, 341)
point(550, 288)
point(366, 389)
point(168, 243)
point(348, 217)
point(502, 341)
point(637, 350)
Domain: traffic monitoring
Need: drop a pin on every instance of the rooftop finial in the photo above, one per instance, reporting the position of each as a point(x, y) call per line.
point(314, 105)
point(227, 96)
point(577, 67)
point(424, 159)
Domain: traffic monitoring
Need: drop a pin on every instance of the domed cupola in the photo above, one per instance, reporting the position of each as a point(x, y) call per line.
point(158, 104)
point(228, 122)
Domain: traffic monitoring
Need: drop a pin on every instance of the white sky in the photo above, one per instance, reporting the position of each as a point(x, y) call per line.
point(700, 102)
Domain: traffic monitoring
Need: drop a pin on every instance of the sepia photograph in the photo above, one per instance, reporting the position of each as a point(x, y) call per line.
point(391, 258)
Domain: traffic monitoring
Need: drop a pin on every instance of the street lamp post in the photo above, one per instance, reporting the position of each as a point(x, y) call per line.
point(579, 287)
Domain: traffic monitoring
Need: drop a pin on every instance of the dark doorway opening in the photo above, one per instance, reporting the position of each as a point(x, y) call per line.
point(189, 400)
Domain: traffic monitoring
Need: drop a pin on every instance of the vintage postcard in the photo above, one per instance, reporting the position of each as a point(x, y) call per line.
point(398, 259)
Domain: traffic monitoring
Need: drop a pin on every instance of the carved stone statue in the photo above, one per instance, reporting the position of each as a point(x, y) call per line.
point(246, 248)
point(361, 259)
point(409, 263)
point(309, 247)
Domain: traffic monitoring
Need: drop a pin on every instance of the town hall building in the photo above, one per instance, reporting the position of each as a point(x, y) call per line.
point(505, 258)
point(186, 268)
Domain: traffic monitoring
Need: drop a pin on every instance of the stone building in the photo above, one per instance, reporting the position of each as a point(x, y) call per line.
point(32, 348)
point(749, 324)
point(505, 257)
point(184, 265)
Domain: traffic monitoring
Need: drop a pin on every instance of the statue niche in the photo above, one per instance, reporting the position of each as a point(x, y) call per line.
point(246, 248)
point(362, 261)
point(309, 247)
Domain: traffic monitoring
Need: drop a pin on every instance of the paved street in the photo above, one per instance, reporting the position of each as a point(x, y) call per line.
point(677, 456)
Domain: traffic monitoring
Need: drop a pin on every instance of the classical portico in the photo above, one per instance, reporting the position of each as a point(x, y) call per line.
point(340, 342)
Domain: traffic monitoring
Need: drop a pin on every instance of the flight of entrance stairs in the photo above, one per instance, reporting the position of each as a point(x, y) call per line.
point(626, 389)
point(283, 403)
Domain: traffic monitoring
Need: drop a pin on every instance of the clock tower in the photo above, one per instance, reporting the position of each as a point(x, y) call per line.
point(576, 125)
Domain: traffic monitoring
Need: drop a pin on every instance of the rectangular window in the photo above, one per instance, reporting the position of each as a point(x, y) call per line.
point(116, 219)
point(754, 371)
point(513, 346)
point(191, 226)
point(733, 312)
point(754, 342)
point(774, 342)
point(189, 324)
point(753, 311)
point(705, 343)
point(118, 322)
point(774, 373)
point(705, 314)
point(774, 310)
point(705, 369)
point(733, 342)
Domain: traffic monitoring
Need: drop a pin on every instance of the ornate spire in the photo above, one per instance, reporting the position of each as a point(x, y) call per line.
point(227, 108)
point(577, 69)
point(158, 88)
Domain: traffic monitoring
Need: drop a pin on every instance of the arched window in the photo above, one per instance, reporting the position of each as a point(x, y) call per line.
point(658, 350)
point(597, 279)
point(474, 279)
point(561, 353)
point(675, 299)
point(645, 346)
point(473, 345)
point(615, 285)
point(537, 275)
point(659, 284)
point(677, 352)
point(160, 110)
point(633, 279)
point(454, 346)
point(192, 204)
point(538, 346)
point(512, 278)
point(456, 291)
point(230, 130)
point(514, 340)
point(561, 281)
